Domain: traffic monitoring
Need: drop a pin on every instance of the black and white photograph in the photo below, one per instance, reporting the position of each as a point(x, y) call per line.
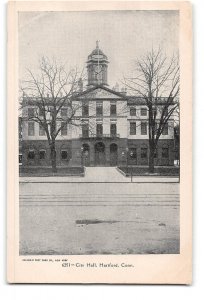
point(99, 132)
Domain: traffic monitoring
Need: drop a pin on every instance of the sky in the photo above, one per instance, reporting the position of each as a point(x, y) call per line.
point(71, 36)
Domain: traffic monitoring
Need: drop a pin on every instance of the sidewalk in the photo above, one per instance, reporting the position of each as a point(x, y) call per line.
point(100, 174)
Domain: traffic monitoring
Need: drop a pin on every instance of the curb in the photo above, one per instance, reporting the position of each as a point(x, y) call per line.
point(121, 172)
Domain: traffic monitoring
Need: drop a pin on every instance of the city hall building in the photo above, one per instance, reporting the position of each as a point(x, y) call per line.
point(112, 131)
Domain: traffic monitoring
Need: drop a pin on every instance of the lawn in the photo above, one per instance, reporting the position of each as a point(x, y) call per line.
point(47, 171)
point(144, 171)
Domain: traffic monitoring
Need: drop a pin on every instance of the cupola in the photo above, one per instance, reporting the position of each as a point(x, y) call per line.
point(97, 66)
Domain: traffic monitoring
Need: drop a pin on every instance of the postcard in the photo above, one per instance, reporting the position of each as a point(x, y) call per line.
point(99, 142)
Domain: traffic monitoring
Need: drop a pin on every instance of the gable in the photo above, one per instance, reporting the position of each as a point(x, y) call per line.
point(100, 93)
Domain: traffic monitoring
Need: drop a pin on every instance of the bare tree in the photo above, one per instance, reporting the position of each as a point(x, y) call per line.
point(48, 93)
point(157, 82)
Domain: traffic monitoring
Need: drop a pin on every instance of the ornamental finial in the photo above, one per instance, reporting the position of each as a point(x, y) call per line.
point(97, 44)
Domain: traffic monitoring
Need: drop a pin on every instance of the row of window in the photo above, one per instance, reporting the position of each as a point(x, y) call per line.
point(143, 111)
point(85, 129)
point(64, 153)
point(31, 129)
point(31, 111)
point(113, 129)
point(99, 109)
point(143, 125)
point(42, 154)
point(85, 110)
point(144, 153)
point(99, 129)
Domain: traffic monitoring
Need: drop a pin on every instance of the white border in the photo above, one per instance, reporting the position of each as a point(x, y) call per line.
point(121, 292)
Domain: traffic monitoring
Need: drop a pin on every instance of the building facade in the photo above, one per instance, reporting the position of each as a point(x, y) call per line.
point(112, 127)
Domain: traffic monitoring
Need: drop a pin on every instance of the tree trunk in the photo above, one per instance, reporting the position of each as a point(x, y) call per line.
point(151, 163)
point(151, 158)
point(53, 157)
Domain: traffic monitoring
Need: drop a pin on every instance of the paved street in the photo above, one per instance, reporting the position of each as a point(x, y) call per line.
point(99, 218)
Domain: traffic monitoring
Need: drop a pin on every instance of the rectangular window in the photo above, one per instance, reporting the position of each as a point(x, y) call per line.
point(113, 109)
point(31, 112)
point(42, 154)
point(143, 152)
point(99, 129)
point(31, 154)
point(64, 154)
point(64, 112)
point(113, 129)
point(41, 130)
point(165, 152)
point(143, 112)
point(63, 128)
point(85, 130)
point(165, 129)
point(99, 110)
point(31, 128)
point(132, 111)
point(85, 110)
point(132, 128)
point(143, 128)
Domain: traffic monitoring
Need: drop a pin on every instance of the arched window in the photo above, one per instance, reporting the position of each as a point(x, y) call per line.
point(42, 154)
point(165, 152)
point(144, 152)
point(64, 154)
point(31, 154)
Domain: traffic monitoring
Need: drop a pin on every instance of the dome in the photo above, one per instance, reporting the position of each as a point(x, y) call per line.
point(97, 51)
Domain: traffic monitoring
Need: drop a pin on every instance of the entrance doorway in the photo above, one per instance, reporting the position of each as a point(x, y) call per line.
point(86, 155)
point(100, 157)
point(113, 154)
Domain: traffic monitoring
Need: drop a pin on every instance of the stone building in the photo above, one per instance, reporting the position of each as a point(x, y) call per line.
point(113, 127)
